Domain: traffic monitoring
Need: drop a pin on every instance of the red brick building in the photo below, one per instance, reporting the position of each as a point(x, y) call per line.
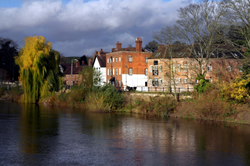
point(127, 67)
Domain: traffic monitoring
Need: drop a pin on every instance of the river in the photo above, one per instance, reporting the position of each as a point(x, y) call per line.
point(36, 135)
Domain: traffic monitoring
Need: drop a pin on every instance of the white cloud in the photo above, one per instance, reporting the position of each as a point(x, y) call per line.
point(77, 26)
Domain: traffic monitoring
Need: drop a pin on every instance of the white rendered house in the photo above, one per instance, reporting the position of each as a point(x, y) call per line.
point(99, 64)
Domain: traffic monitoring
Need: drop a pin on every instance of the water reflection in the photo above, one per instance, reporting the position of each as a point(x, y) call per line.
point(35, 135)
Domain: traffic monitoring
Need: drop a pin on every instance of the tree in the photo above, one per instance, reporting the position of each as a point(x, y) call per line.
point(198, 26)
point(238, 16)
point(152, 46)
point(8, 50)
point(39, 69)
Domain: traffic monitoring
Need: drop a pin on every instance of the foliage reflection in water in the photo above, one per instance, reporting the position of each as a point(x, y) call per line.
point(35, 135)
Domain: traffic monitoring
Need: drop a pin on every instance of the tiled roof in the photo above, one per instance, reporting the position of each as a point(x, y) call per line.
point(127, 49)
point(183, 51)
point(67, 68)
point(101, 58)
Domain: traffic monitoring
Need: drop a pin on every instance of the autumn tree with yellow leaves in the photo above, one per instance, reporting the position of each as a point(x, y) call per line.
point(39, 69)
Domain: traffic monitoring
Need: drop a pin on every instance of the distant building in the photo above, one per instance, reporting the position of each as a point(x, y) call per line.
point(75, 78)
point(127, 67)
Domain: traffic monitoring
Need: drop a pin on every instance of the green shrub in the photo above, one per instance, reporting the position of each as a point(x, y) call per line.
point(105, 98)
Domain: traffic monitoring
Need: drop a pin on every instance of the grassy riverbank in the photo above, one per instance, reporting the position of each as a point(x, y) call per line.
point(207, 106)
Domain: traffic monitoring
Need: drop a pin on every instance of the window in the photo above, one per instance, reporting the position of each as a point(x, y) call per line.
point(146, 59)
point(173, 68)
point(179, 80)
point(196, 81)
point(185, 67)
point(185, 80)
point(129, 58)
point(71, 75)
point(179, 67)
point(116, 83)
point(107, 60)
point(151, 81)
point(146, 72)
point(67, 76)
point(111, 72)
point(120, 84)
point(108, 71)
point(160, 81)
point(119, 59)
point(209, 68)
point(210, 80)
point(116, 59)
point(240, 69)
point(130, 71)
point(120, 71)
point(229, 68)
point(113, 59)
point(151, 68)
point(116, 71)
point(71, 82)
point(155, 82)
point(110, 59)
point(160, 68)
point(155, 71)
point(155, 62)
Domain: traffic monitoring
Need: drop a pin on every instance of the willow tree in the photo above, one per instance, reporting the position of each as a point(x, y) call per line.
point(39, 68)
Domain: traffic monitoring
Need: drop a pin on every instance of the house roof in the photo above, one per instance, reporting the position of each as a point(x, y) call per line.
point(183, 51)
point(101, 58)
point(127, 49)
point(67, 68)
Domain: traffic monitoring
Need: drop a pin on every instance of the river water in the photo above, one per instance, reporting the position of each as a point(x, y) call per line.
point(36, 135)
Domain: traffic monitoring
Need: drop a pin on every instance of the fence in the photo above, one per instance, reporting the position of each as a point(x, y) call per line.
point(164, 89)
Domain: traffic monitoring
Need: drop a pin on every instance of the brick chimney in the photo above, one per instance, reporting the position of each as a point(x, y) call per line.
point(118, 45)
point(77, 63)
point(138, 43)
point(160, 46)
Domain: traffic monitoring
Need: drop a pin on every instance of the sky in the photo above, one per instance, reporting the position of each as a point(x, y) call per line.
point(79, 27)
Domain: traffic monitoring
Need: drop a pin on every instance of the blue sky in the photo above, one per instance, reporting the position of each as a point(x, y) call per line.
point(79, 27)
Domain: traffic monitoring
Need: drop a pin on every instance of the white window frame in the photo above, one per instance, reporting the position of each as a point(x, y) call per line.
point(119, 59)
point(107, 60)
point(179, 67)
point(210, 68)
point(120, 71)
point(108, 71)
point(179, 80)
point(150, 68)
point(130, 71)
point(185, 80)
point(160, 68)
point(185, 67)
point(146, 71)
point(130, 59)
